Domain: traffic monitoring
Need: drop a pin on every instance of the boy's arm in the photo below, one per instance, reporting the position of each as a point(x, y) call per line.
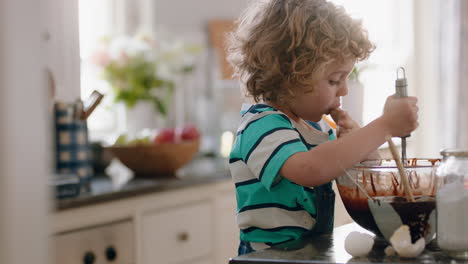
point(327, 161)
point(345, 125)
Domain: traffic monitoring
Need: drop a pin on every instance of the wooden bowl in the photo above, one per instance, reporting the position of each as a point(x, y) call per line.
point(157, 159)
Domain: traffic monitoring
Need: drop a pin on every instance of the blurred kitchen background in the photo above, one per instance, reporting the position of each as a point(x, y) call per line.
point(46, 48)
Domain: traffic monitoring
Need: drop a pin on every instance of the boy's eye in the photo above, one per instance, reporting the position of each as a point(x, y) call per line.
point(332, 82)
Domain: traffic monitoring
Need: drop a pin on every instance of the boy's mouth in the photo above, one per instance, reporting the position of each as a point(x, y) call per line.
point(335, 106)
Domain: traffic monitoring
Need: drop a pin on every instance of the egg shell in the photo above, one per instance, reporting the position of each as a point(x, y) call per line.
point(401, 242)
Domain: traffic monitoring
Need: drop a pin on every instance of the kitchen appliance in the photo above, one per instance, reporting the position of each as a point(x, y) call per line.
point(401, 91)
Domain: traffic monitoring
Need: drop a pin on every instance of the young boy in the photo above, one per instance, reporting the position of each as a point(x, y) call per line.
point(293, 58)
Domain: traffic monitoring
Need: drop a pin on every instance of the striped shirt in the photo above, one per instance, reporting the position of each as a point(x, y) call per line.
point(271, 209)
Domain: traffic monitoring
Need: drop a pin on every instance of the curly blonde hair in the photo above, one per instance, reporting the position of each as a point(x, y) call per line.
point(282, 46)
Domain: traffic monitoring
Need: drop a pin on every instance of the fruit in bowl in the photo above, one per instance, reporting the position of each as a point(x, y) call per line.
point(166, 135)
point(172, 135)
point(189, 132)
point(381, 180)
point(157, 156)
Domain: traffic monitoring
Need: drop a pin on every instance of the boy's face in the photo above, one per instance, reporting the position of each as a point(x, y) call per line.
point(326, 93)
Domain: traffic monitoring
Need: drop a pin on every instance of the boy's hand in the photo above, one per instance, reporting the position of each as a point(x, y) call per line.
point(344, 123)
point(401, 115)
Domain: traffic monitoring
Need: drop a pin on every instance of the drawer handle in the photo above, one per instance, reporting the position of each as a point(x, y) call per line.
point(89, 258)
point(111, 253)
point(183, 236)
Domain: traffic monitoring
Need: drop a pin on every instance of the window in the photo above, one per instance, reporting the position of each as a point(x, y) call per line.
point(108, 19)
point(95, 22)
point(389, 23)
point(386, 20)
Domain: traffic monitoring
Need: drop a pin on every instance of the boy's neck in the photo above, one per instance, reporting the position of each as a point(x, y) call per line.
point(287, 111)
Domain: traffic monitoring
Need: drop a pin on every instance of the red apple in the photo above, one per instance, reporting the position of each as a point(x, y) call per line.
point(166, 135)
point(189, 132)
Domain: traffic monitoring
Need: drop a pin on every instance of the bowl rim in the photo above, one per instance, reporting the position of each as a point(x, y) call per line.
point(434, 161)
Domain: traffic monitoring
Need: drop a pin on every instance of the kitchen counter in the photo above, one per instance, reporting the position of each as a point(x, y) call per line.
point(330, 249)
point(104, 188)
point(183, 219)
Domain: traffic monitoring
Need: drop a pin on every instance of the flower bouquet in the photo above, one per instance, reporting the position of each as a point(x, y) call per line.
point(139, 68)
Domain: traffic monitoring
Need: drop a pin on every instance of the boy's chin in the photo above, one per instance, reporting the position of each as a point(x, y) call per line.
point(315, 119)
point(331, 110)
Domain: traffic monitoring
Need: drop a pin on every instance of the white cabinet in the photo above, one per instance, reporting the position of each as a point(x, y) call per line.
point(194, 225)
point(178, 235)
point(226, 240)
point(112, 243)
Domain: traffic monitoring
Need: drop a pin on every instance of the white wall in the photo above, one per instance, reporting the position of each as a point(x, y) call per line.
point(24, 135)
point(191, 17)
point(427, 140)
point(189, 20)
point(61, 18)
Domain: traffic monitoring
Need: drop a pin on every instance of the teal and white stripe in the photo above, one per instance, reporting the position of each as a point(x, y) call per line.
point(274, 217)
point(271, 209)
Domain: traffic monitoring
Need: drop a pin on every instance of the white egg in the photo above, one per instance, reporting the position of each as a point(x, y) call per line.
point(358, 244)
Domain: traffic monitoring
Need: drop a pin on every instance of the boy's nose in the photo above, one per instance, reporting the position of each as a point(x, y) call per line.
point(343, 91)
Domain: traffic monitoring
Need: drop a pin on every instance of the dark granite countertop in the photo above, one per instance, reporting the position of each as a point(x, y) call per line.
point(330, 249)
point(104, 188)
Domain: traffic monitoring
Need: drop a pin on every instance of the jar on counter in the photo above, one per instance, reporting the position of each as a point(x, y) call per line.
point(452, 203)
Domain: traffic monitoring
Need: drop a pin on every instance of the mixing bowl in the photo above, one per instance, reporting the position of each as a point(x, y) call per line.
point(391, 212)
point(380, 179)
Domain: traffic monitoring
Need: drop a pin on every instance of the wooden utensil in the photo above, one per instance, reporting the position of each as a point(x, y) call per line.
point(401, 170)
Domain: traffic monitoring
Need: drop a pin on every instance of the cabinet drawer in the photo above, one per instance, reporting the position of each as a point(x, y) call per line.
point(177, 235)
point(113, 243)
